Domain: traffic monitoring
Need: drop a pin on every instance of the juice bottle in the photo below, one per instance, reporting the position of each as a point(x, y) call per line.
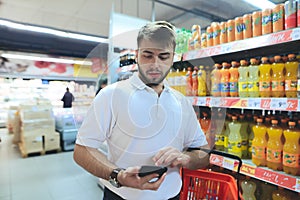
point(225, 77)
point(253, 80)
point(247, 22)
point(252, 123)
point(234, 78)
point(266, 21)
point(203, 40)
point(220, 129)
point(248, 188)
point(280, 194)
point(274, 147)
point(264, 78)
point(259, 144)
point(244, 135)
point(208, 80)
point(278, 18)
point(201, 81)
point(291, 68)
point(234, 138)
point(176, 80)
point(216, 33)
point(227, 130)
point(291, 150)
point(230, 30)
point(215, 80)
point(195, 82)
point(266, 191)
point(204, 122)
point(189, 82)
point(223, 33)
point(243, 79)
point(290, 8)
point(170, 78)
point(209, 36)
point(277, 78)
point(256, 24)
point(182, 86)
point(239, 28)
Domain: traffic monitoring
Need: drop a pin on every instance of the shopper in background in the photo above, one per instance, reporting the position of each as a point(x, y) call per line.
point(144, 122)
point(102, 84)
point(68, 98)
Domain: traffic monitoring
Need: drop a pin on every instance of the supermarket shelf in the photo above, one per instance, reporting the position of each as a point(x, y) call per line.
point(127, 68)
point(287, 104)
point(284, 42)
point(262, 173)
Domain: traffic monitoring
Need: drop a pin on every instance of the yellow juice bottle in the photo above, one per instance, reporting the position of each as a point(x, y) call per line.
point(277, 77)
point(291, 67)
point(234, 138)
point(177, 80)
point(170, 78)
point(244, 135)
point(274, 147)
point(182, 85)
point(291, 150)
point(201, 81)
point(253, 80)
point(259, 144)
point(265, 78)
point(243, 78)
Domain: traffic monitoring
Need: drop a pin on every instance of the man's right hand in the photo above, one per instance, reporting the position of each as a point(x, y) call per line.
point(130, 178)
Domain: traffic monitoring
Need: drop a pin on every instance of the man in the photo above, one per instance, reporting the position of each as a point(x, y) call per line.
point(68, 98)
point(144, 122)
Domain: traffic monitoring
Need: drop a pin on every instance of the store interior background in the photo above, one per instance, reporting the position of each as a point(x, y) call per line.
point(88, 17)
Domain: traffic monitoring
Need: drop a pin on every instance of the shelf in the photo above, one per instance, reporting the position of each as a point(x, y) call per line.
point(286, 104)
point(262, 173)
point(285, 41)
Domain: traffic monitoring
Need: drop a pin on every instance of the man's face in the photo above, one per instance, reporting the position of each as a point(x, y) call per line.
point(154, 61)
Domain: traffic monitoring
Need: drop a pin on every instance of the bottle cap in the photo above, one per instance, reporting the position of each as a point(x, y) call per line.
point(234, 117)
point(259, 120)
point(277, 58)
point(243, 63)
point(264, 59)
point(274, 121)
point(292, 123)
point(253, 61)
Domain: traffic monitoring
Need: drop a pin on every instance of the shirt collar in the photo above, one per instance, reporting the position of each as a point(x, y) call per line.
point(139, 84)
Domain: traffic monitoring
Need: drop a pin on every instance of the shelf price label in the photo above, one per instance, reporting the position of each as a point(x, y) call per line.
point(254, 103)
point(248, 170)
point(229, 164)
point(215, 102)
point(216, 160)
point(295, 35)
point(292, 104)
point(298, 185)
point(278, 104)
point(208, 101)
point(265, 103)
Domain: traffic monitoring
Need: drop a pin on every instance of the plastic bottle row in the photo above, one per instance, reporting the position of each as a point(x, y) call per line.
point(281, 17)
point(271, 140)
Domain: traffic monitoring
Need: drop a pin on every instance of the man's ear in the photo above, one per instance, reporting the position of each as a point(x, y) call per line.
point(136, 55)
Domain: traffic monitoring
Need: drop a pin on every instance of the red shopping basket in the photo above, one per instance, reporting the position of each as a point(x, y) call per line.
point(208, 185)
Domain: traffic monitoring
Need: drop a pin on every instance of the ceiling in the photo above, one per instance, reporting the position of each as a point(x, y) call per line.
point(92, 16)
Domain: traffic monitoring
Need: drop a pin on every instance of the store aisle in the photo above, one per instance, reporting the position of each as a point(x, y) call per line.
point(48, 177)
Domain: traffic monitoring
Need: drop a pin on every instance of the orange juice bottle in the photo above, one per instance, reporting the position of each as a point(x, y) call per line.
point(291, 150)
point(209, 36)
point(266, 21)
point(195, 82)
point(243, 78)
point(223, 33)
point(189, 82)
point(234, 138)
point(239, 28)
point(291, 68)
point(277, 77)
point(234, 79)
point(247, 22)
point(256, 24)
point(225, 77)
point(203, 40)
point(201, 81)
point(274, 147)
point(264, 78)
point(215, 80)
point(253, 80)
point(230, 30)
point(216, 33)
point(259, 144)
point(278, 18)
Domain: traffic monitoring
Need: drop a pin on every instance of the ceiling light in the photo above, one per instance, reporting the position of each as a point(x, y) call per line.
point(46, 59)
point(52, 31)
point(262, 4)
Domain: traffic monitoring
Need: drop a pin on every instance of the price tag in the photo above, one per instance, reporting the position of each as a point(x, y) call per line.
point(298, 185)
point(228, 164)
point(201, 101)
point(215, 102)
point(265, 103)
point(292, 104)
point(248, 170)
point(295, 34)
point(254, 103)
point(208, 101)
point(278, 104)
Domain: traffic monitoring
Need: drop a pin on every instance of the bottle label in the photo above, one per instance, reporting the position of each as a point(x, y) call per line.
point(258, 152)
point(226, 142)
point(219, 140)
point(290, 85)
point(291, 160)
point(274, 155)
point(224, 87)
point(298, 85)
point(250, 146)
point(244, 145)
point(253, 86)
point(266, 20)
point(233, 86)
point(264, 86)
point(215, 87)
point(243, 86)
point(277, 86)
point(235, 147)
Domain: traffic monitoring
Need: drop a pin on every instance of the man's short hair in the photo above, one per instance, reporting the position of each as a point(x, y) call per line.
point(161, 32)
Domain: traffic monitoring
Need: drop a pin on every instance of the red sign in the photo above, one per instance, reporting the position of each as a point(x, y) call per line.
point(265, 103)
point(248, 170)
point(292, 104)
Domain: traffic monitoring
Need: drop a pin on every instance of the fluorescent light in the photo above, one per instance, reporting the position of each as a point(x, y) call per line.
point(46, 59)
point(262, 4)
point(52, 31)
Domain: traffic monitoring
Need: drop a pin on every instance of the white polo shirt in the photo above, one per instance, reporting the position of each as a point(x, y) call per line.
point(136, 123)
